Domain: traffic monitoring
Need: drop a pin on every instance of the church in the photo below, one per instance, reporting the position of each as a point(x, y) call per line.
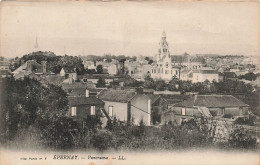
point(163, 68)
point(184, 67)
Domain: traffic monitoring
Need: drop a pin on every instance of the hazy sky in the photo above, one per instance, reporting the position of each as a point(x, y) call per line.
point(130, 28)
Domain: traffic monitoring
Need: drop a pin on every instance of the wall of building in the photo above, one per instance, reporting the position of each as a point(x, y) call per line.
point(112, 69)
point(199, 77)
point(176, 116)
point(236, 111)
point(139, 104)
point(119, 110)
point(216, 111)
point(83, 111)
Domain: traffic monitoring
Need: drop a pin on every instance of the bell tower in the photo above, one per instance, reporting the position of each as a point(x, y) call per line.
point(163, 47)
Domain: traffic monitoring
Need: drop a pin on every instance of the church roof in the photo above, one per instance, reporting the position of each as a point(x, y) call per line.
point(180, 58)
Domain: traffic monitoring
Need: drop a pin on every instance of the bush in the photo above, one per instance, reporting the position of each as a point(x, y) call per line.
point(245, 121)
point(103, 140)
point(241, 139)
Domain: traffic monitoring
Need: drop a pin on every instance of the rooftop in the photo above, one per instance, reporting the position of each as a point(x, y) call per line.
point(212, 101)
point(84, 101)
point(116, 95)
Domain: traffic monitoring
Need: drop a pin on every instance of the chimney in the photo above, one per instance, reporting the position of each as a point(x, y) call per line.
point(87, 93)
point(140, 91)
point(44, 63)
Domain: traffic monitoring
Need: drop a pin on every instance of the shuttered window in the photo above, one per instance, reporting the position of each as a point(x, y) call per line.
point(110, 111)
point(92, 110)
point(73, 111)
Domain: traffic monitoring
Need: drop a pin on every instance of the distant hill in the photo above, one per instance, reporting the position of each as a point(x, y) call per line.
point(54, 62)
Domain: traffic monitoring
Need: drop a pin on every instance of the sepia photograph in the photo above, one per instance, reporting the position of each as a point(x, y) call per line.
point(129, 82)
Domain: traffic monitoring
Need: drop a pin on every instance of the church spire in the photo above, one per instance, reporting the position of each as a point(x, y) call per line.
point(164, 35)
point(36, 43)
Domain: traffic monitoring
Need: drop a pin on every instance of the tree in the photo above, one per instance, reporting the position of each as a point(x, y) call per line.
point(150, 61)
point(173, 85)
point(159, 85)
point(55, 63)
point(28, 104)
point(249, 76)
point(101, 83)
point(130, 82)
point(149, 82)
point(99, 69)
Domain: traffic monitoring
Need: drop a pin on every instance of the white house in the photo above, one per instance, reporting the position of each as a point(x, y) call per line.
point(112, 69)
point(205, 74)
point(127, 106)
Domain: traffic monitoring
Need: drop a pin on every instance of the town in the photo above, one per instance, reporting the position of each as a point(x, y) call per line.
point(123, 102)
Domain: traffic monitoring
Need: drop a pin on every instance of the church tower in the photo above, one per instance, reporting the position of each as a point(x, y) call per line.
point(163, 50)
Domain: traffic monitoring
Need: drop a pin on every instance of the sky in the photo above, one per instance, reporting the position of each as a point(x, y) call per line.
point(129, 28)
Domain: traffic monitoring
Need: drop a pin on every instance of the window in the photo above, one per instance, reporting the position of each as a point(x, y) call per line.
point(154, 70)
point(176, 72)
point(92, 110)
point(73, 111)
point(183, 111)
point(110, 111)
point(166, 71)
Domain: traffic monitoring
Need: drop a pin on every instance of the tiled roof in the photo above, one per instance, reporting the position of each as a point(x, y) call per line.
point(230, 74)
point(69, 70)
point(209, 72)
point(76, 85)
point(82, 91)
point(212, 101)
point(97, 76)
point(84, 101)
point(115, 95)
point(54, 79)
point(153, 98)
point(179, 59)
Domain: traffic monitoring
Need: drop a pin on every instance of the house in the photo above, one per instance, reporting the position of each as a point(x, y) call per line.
point(79, 89)
point(83, 91)
point(129, 105)
point(158, 104)
point(205, 74)
point(70, 75)
point(4, 68)
point(31, 66)
point(229, 76)
point(186, 75)
point(217, 106)
point(55, 79)
point(113, 69)
point(93, 78)
point(82, 108)
point(89, 65)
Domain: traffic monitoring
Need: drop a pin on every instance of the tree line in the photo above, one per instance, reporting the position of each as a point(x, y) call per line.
point(206, 87)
